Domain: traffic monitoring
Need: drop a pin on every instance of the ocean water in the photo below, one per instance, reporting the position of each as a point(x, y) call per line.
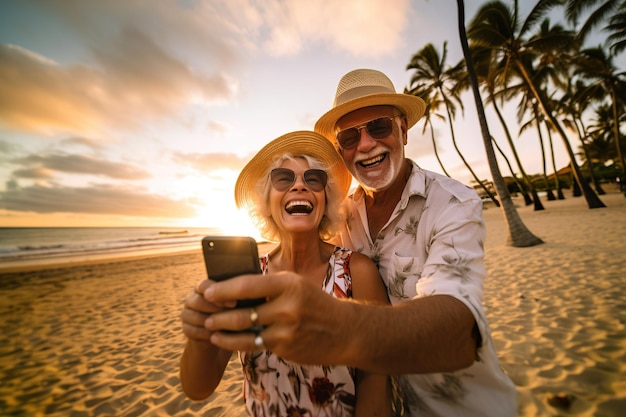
point(37, 246)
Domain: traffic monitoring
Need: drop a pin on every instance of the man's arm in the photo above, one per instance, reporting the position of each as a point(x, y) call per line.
point(424, 335)
point(429, 334)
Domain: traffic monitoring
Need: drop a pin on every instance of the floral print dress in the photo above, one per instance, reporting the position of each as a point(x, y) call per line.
point(274, 386)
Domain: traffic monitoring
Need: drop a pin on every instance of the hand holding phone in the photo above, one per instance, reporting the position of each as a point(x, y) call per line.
point(229, 256)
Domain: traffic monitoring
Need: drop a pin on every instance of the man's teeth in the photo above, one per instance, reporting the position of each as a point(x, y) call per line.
point(299, 207)
point(373, 161)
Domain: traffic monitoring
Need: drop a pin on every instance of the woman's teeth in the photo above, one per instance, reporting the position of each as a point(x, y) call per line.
point(299, 207)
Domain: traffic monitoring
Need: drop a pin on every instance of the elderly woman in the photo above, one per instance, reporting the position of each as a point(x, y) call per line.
point(293, 188)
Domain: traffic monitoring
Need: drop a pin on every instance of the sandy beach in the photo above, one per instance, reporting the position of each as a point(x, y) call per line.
point(104, 339)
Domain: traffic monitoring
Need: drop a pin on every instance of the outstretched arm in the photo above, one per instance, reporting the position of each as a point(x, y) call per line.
point(424, 335)
point(429, 334)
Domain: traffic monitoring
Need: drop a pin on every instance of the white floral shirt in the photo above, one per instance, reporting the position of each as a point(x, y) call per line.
point(432, 244)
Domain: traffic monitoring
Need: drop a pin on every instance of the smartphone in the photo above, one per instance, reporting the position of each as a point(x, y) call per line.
point(229, 256)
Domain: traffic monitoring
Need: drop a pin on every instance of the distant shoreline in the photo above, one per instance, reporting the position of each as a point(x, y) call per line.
point(81, 260)
point(68, 262)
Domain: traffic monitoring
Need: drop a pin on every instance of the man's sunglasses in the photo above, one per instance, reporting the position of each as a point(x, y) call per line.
point(379, 128)
point(283, 178)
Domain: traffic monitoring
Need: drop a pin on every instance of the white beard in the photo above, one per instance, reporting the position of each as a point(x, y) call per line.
point(377, 180)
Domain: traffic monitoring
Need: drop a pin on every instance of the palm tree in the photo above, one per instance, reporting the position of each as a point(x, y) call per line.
point(487, 73)
point(438, 84)
point(557, 180)
point(429, 113)
point(537, 120)
point(519, 234)
point(520, 187)
point(543, 73)
point(600, 136)
point(596, 66)
point(612, 10)
point(550, 71)
point(617, 30)
point(571, 107)
point(496, 26)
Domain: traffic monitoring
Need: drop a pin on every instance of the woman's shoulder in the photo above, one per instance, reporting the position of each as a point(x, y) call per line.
point(355, 258)
point(366, 281)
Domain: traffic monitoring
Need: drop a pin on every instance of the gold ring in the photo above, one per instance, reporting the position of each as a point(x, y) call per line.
point(254, 316)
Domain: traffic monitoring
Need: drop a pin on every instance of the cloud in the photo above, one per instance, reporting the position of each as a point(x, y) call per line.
point(39, 95)
point(133, 82)
point(7, 148)
point(97, 199)
point(82, 164)
point(38, 173)
point(139, 71)
point(211, 35)
point(364, 29)
point(82, 141)
point(218, 127)
point(206, 162)
point(12, 184)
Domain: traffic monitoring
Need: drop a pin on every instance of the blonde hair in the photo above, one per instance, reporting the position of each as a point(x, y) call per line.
point(259, 212)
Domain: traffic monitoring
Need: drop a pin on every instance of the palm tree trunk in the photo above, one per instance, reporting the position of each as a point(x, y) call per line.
point(519, 234)
point(557, 179)
point(527, 200)
point(594, 180)
point(582, 134)
point(432, 136)
point(576, 190)
point(620, 155)
point(527, 180)
point(458, 151)
point(544, 174)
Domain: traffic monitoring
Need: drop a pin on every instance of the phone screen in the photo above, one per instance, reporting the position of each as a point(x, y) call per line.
point(229, 256)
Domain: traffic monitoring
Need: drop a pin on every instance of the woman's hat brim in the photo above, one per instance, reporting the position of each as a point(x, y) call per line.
point(302, 142)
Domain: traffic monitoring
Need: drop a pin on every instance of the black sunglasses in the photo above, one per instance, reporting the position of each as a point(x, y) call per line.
point(283, 178)
point(379, 128)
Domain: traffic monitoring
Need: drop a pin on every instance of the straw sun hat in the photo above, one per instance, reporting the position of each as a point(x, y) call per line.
point(364, 88)
point(302, 142)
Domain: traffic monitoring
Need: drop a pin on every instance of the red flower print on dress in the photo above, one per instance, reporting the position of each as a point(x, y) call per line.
point(321, 391)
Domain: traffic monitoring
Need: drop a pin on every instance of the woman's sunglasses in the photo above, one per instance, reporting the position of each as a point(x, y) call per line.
point(379, 128)
point(283, 178)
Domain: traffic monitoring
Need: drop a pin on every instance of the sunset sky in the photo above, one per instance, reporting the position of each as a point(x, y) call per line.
point(142, 112)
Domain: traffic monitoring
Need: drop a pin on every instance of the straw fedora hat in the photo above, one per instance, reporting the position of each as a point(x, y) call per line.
point(364, 88)
point(302, 142)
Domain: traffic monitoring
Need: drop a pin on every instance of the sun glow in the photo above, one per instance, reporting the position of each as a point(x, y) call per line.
point(226, 218)
point(214, 201)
